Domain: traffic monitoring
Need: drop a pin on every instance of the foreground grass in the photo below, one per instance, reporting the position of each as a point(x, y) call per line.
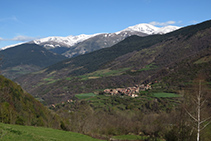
point(23, 133)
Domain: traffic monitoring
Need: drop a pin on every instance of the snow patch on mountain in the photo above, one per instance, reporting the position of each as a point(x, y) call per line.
point(166, 29)
point(68, 41)
point(144, 28)
point(10, 46)
point(150, 29)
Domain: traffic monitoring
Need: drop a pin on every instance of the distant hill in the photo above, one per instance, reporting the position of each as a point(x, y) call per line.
point(134, 60)
point(19, 107)
point(26, 58)
point(179, 74)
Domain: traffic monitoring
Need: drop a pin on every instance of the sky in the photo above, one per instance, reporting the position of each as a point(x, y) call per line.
point(26, 20)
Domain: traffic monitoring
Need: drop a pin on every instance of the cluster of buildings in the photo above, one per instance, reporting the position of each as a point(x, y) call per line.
point(68, 101)
point(129, 91)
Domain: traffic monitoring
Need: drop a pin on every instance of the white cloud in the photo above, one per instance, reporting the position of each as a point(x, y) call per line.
point(13, 18)
point(162, 23)
point(20, 38)
point(23, 38)
point(194, 22)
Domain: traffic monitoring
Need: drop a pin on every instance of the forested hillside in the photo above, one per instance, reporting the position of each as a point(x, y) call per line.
point(19, 107)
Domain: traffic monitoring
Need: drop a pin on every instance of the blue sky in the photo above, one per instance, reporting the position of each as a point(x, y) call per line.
point(25, 20)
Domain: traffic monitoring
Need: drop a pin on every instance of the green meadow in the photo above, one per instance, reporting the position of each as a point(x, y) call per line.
point(84, 95)
point(29, 133)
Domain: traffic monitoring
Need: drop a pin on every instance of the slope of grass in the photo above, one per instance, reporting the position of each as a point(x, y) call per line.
point(203, 60)
point(23, 133)
point(84, 96)
point(103, 73)
point(148, 67)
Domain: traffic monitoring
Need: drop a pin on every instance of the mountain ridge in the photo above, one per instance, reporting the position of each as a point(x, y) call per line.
point(26, 58)
point(72, 46)
point(69, 41)
point(143, 28)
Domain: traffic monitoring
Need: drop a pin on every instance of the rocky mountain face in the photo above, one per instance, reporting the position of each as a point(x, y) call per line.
point(99, 42)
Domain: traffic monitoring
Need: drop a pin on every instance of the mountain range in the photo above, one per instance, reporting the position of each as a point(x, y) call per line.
point(20, 59)
point(172, 59)
point(75, 45)
point(81, 44)
point(69, 41)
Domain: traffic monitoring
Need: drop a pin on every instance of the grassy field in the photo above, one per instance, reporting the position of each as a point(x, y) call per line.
point(85, 95)
point(103, 73)
point(49, 80)
point(10, 132)
point(25, 133)
point(148, 67)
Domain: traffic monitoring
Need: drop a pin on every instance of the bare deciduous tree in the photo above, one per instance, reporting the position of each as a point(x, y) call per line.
point(199, 103)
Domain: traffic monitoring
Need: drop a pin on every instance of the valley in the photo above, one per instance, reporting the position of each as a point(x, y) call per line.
point(136, 84)
point(134, 61)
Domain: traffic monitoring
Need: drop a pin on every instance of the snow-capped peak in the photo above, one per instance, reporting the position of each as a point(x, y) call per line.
point(150, 29)
point(166, 29)
point(144, 28)
point(67, 41)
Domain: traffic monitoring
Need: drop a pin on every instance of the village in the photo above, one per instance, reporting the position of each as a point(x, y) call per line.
point(129, 91)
